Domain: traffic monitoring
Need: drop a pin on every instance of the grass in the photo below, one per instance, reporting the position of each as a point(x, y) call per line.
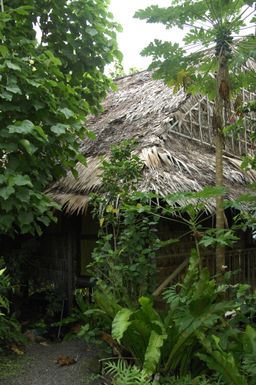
point(11, 365)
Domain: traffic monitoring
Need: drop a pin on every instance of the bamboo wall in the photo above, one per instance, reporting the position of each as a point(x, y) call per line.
point(241, 260)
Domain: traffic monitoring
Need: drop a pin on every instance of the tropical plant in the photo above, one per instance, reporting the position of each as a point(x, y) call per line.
point(10, 329)
point(4, 286)
point(220, 361)
point(194, 336)
point(142, 333)
point(123, 374)
point(249, 357)
point(84, 321)
point(127, 240)
point(187, 380)
point(48, 86)
point(211, 24)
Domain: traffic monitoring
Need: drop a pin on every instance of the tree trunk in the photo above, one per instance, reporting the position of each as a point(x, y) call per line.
point(221, 105)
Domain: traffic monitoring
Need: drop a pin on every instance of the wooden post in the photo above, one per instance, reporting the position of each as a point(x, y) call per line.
point(200, 121)
point(171, 277)
point(70, 251)
point(221, 104)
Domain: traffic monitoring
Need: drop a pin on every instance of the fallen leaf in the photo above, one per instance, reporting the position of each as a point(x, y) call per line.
point(44, 343)
point(17, 349)
point(65, 360)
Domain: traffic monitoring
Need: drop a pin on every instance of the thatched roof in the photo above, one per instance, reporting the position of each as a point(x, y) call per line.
point(173, 131)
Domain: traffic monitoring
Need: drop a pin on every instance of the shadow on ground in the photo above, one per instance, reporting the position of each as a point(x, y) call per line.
point(38, 365)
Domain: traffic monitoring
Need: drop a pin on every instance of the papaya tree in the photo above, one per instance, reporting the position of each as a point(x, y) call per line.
point(212, 62)
point(49, 84)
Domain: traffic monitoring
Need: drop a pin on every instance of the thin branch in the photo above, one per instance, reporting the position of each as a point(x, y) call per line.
point(205, 18)
point(212, 10)
point(192, 46)
point(233, 9)
point(2, 5)
point(251, 13)
point(241, 14)
point(251, 26)
point(194, 26)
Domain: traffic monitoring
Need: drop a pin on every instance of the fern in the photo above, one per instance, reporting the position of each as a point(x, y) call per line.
point(249, 346)
point(220, 361)
point(171, 297)
point(123, 374)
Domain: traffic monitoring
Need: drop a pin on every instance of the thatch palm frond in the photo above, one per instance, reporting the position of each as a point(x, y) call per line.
point(173, 134)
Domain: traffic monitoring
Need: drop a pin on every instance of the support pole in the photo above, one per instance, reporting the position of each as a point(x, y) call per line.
point(171, 277)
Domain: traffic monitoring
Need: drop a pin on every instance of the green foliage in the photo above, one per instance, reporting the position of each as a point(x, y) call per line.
point(47, 89)
point(142, 333)
point(10, 329)
point(4, 286)
point(197, 306)
point(194, 336)
point(118, 71)
point(222, 237)
point(124, 374)
point(187, 380)
point(210, 24)
point(84, 320)
point(127, 241)
point(220, 361)
point(249, 347)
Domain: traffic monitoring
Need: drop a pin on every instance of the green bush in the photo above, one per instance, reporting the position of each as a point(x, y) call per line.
point(10, 329)
point(193, 337)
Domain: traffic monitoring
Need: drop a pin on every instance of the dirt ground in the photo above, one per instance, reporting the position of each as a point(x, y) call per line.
point(39, 366)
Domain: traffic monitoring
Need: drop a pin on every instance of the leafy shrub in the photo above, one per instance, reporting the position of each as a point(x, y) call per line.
point(127, 239)
point(193, 337)
point(10, 329)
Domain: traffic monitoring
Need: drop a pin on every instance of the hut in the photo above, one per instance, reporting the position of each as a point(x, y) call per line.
point(176, 143)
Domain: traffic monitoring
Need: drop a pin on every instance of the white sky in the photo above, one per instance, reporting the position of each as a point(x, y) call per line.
point(137, 34)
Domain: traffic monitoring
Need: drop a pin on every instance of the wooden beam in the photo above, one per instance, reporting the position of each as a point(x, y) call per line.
point(171, 277)
point(200, 122)
point(70, 271)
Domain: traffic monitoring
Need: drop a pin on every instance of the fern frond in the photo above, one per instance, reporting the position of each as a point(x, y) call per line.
point(124, 374)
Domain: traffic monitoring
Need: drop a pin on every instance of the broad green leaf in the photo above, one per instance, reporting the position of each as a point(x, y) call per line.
point(249, 340)
point(153, 352)
point(91, 31)
point(4, 50)
point(12, 65)
point(41, 132)
point(6, 95)
point(82, 159)
point(67, 112)
point(6, 192)
point(28, 146)
point(25, 218)
point(59, 128)
point(121, 323)
point(33, 83)
point(2, 271)
point(23, 10)
point(6, 221)
point(91, 135)
point(14, 88)
point(21, 180)
point(24, 127)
